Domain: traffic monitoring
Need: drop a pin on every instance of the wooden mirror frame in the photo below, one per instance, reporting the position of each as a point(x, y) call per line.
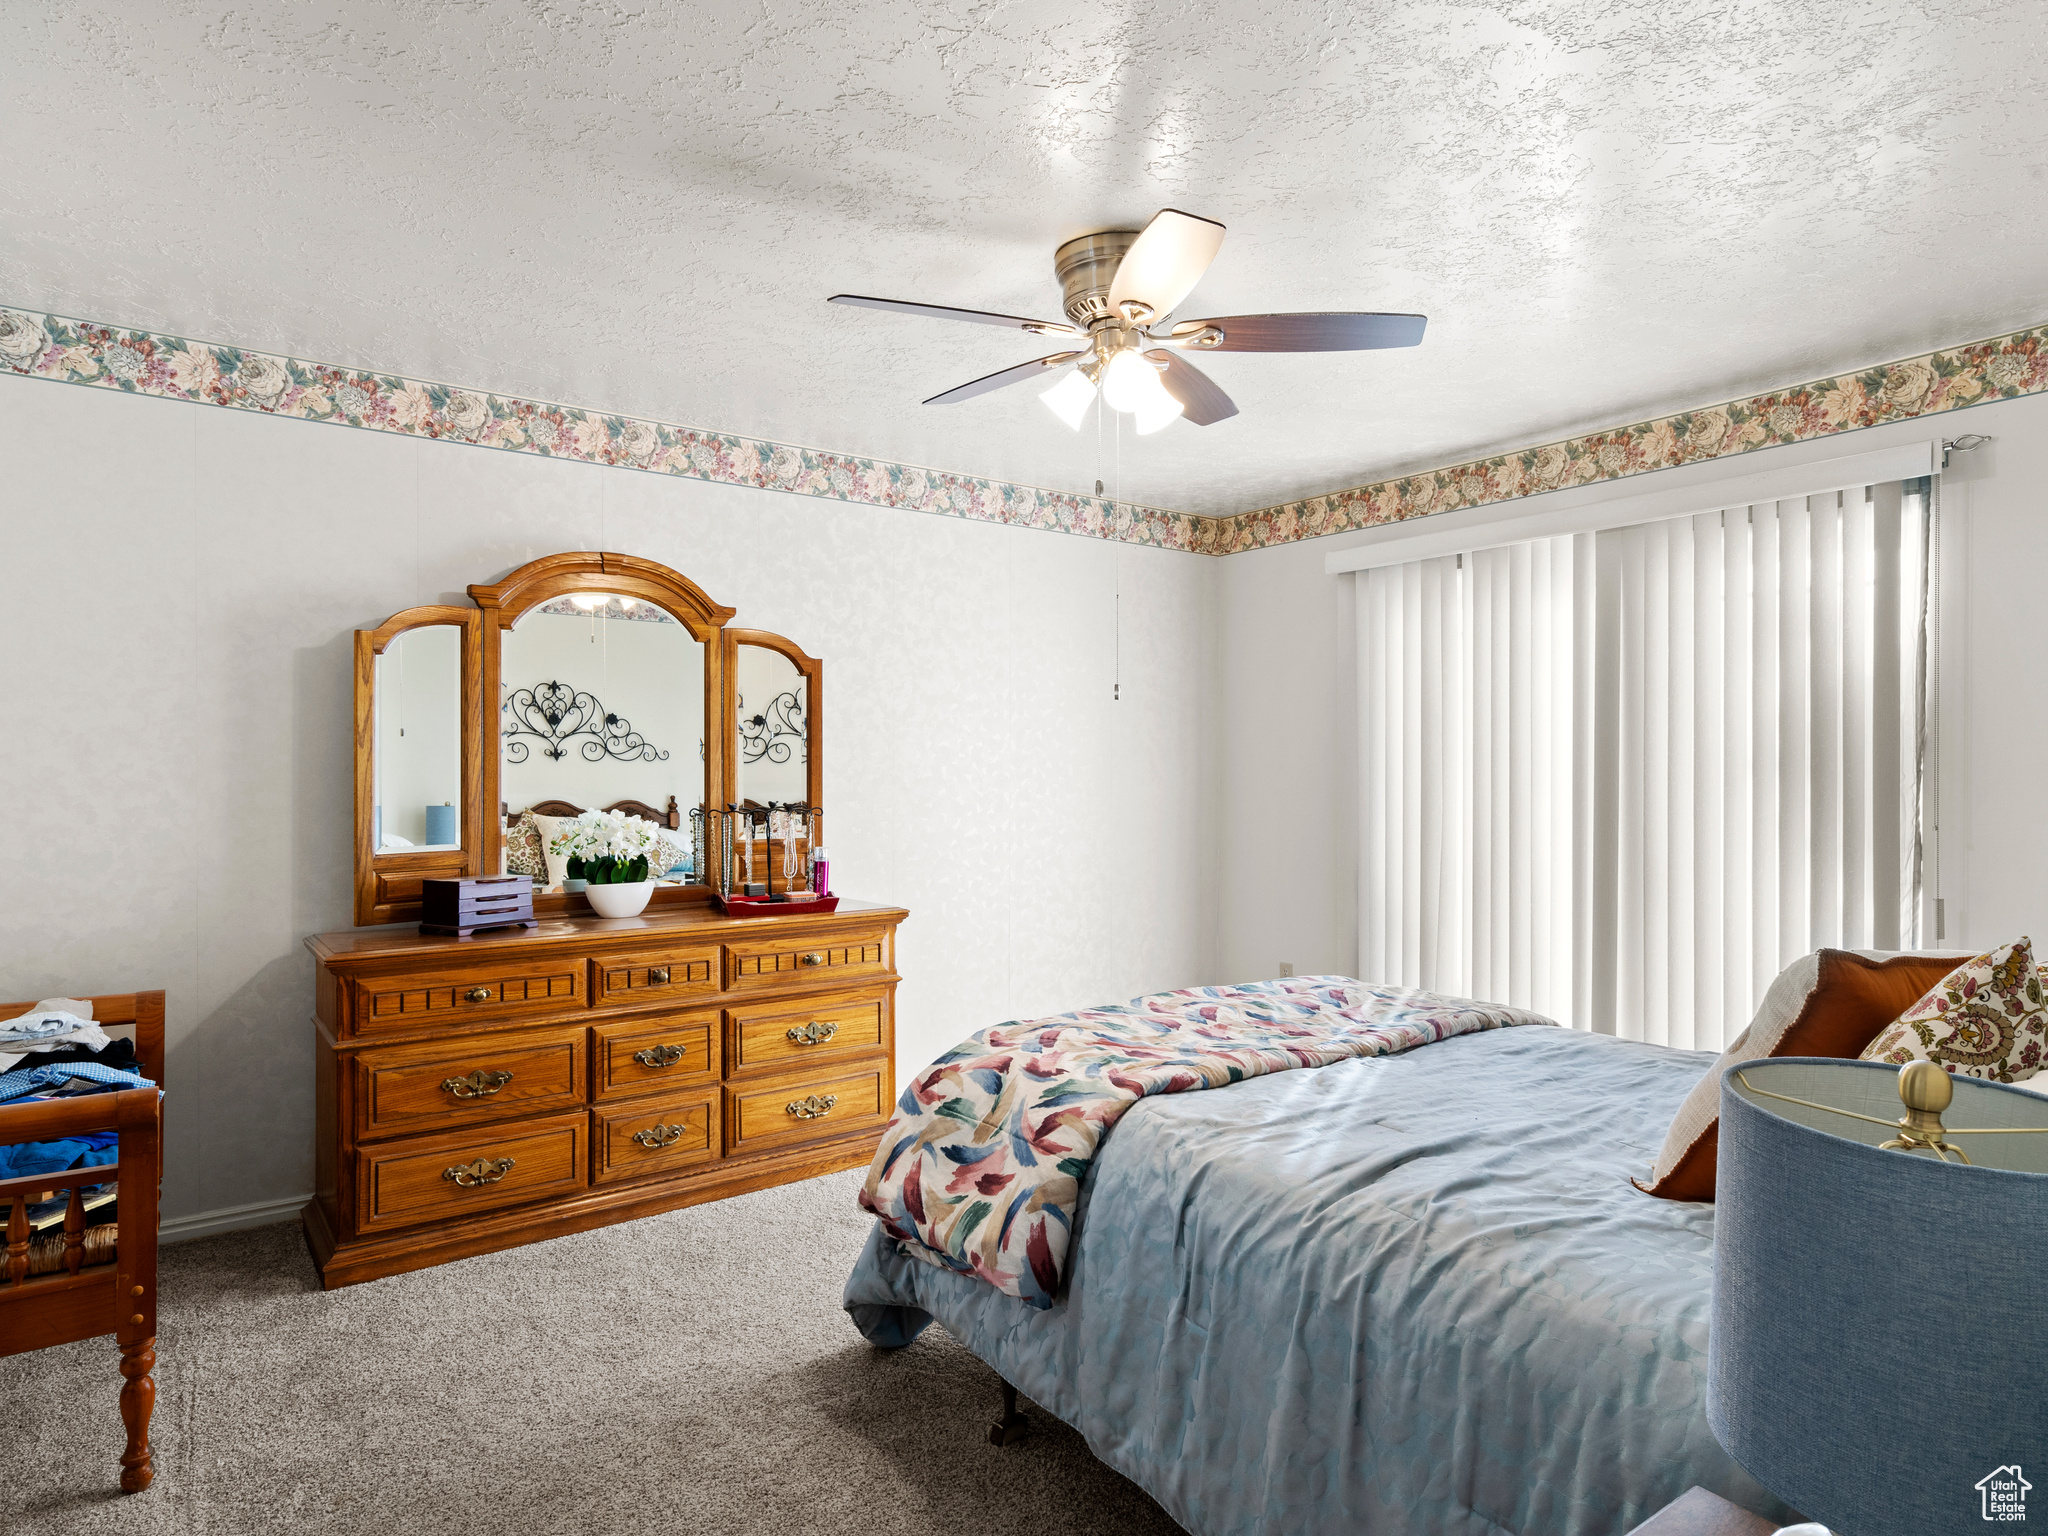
point(503, 603)
point(813, 671)
point(388, 888)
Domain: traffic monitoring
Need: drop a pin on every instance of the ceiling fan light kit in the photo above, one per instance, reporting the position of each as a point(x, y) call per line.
point(1119, 289)
point(1070, 398)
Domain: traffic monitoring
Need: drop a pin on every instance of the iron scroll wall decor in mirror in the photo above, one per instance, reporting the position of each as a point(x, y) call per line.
point(587, 680)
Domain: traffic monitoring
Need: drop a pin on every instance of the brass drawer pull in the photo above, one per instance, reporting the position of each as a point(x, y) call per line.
point(478, 994)
point(657, 975)
point(659, 1056)
point(478, 1085)
point(485, 1170)
point(815, 957)
point(813, 1033)
point(660, 1135)
point(814, 1107)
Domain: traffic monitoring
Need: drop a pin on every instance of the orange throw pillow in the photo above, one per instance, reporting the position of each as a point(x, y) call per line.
point(1832, 1002)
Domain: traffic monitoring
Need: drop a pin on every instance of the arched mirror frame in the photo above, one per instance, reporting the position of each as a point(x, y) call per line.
point(813, 671)
point(388, 888)
point(502, 604)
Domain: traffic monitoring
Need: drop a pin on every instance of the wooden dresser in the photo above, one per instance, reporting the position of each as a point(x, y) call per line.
point(476, 1094)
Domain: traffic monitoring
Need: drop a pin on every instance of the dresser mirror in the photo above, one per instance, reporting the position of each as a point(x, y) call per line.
point(416, 740)
point(772, 720)
point(601, 702)
point(418, 748)
point(579, 682)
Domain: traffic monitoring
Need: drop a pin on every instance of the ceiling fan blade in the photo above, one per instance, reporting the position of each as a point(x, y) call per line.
point(1201, 400)
point(1035, 369)
point(942, 312)
point(1164, 263)
point(1302, 333)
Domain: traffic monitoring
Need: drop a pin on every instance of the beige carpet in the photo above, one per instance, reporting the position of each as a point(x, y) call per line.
point(688, 1373)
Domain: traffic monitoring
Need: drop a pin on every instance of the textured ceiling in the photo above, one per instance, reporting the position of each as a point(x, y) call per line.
point(1606, 209)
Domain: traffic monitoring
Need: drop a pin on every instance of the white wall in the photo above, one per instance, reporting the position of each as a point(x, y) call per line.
point(186, 583)
point(1287, 889)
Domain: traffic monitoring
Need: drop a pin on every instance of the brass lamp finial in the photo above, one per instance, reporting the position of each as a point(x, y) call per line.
point(1925, 1090)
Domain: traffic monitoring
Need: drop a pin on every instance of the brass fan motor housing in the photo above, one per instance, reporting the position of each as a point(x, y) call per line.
point(1086, 266)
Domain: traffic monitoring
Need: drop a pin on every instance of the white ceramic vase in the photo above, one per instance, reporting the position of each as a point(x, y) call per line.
point(620, 900)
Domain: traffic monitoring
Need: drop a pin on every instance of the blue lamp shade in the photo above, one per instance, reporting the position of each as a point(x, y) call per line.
point(441, 828)
point(1878, 1354)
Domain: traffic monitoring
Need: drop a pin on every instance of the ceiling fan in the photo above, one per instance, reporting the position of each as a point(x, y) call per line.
point(1120, 288)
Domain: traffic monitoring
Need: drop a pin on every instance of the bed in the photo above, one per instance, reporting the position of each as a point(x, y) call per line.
point(1412, 1293)
point(83, 1277)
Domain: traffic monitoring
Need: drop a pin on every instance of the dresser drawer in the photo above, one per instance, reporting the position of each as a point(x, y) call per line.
point(653, 1052)
point(440, 1085)
point(649, 1137)
point(655, 974)
point(789, 1036)
point(436, 1178)
point(477, 992)
point(771, 962)
point(808, 1106)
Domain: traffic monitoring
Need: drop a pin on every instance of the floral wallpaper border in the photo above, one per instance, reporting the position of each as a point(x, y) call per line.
point(176, 368)
point(2002, 368)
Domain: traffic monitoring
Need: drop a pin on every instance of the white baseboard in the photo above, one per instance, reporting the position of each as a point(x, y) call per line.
point(230, 1218)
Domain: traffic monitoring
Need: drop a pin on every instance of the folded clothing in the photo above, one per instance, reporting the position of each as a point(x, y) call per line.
point(65, 1076)
point(33, 1030)
point(86, 1151)
point(111, 1053)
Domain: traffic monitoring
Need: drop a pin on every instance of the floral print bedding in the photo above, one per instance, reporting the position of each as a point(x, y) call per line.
point(980, 1168)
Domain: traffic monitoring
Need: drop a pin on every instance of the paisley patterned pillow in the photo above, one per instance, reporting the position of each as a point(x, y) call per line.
point(1987, 1018)
point(673, 848)
point(522, 848)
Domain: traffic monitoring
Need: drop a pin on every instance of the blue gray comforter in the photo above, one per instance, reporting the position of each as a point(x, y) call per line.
point(1401, 1295)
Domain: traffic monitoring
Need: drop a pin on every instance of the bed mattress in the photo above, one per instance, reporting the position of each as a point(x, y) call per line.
point(1405, 1294)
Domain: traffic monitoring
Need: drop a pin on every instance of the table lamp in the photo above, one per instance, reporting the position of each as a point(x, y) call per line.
point(1878, 1351)
point(441, 828)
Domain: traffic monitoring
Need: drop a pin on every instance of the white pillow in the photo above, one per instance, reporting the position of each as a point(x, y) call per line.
point(558, 863)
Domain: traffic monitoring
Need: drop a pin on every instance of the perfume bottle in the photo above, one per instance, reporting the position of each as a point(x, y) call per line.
point(821, 872)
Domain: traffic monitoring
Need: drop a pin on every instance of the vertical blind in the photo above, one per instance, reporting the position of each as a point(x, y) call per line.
point(1625, 777)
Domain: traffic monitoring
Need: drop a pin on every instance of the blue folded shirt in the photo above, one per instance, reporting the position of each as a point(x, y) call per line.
point(29, 1079)
point(88, 1151)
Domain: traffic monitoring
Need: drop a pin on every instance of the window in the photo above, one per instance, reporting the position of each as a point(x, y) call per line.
point(1624, 777)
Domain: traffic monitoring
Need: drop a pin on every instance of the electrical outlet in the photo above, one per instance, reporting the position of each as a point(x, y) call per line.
point(1286, 967)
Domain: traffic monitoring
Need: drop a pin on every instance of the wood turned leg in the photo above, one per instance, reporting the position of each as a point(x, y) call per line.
point(138, 1401)
point(1012, 1426)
